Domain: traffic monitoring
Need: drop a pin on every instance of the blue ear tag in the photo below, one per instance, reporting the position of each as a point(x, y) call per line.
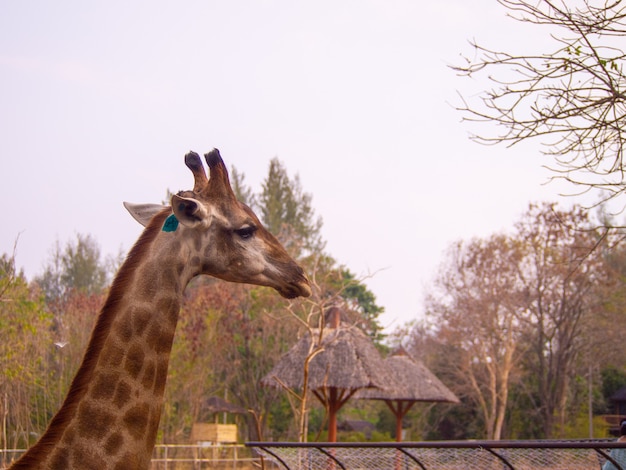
point(171, 224)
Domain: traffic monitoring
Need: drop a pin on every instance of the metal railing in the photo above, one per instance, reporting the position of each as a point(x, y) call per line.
point(441, 455)
point(195, 457)
point(186, 457)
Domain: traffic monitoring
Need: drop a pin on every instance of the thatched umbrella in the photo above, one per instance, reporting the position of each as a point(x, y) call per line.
point(346, 361)
point(411, 382)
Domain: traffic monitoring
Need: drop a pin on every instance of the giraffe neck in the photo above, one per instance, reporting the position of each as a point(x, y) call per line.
point(110, 418)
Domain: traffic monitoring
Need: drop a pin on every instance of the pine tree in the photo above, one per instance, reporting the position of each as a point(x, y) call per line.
point(288, 212)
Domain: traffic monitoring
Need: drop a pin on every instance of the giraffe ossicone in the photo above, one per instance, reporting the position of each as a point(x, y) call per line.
point(110, 417)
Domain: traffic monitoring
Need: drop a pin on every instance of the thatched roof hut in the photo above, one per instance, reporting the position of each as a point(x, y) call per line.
point(348, 360)
point(216, 404)
point(211, 407)
point(344, 361)
point(411, 382)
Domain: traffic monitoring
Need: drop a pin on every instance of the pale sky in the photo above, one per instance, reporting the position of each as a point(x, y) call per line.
point(100, 101)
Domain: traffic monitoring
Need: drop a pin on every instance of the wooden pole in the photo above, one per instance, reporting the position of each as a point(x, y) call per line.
point(399, 408)
point(332, 414)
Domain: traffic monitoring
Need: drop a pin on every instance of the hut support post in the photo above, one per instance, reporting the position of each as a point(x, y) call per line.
point(399, 408)
point(333, 399)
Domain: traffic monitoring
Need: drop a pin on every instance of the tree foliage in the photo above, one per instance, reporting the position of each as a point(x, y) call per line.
point(78, 267)
point(25, 351)
point(517, 316)
point(359, 299)
point(561, 268)
point(479, 302)
point(243, 192)
point(287, 211)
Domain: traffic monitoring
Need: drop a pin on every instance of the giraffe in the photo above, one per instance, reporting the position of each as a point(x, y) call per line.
point(110, 417)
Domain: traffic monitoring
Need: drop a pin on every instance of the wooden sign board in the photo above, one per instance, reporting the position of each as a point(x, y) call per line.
point(210, 432)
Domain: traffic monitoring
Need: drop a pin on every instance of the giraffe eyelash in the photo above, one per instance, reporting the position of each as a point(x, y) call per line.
point(246, 232)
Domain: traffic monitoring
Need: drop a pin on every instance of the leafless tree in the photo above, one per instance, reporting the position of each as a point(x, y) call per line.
point(562, 269)
point(476, 307)
point(311, 316)
point(522, 309)
point(572, 97)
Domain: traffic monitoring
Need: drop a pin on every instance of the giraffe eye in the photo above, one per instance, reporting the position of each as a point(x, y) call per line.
point(246, 232)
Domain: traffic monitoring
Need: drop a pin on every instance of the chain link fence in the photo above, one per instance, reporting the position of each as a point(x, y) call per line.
point(186, 457)
point(440, 455)
point(443, 455)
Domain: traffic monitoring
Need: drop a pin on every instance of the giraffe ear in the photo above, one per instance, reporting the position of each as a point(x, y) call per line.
point(142, 213)
point(190, 212)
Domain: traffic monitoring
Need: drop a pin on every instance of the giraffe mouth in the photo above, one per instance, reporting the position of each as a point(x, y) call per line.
point(295, 289)
point(289, 281)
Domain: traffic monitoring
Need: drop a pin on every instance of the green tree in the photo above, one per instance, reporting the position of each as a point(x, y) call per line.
point(83, 269)
point(287, 211)
point(25, 375)
point(613, 379)
point(78, 266)
point(243, 192)
point(362, 301)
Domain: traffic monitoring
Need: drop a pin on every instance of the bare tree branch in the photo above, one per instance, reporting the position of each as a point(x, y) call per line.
point(572, 98)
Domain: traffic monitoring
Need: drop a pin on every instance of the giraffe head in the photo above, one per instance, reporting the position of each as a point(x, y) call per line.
point(223, 237)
